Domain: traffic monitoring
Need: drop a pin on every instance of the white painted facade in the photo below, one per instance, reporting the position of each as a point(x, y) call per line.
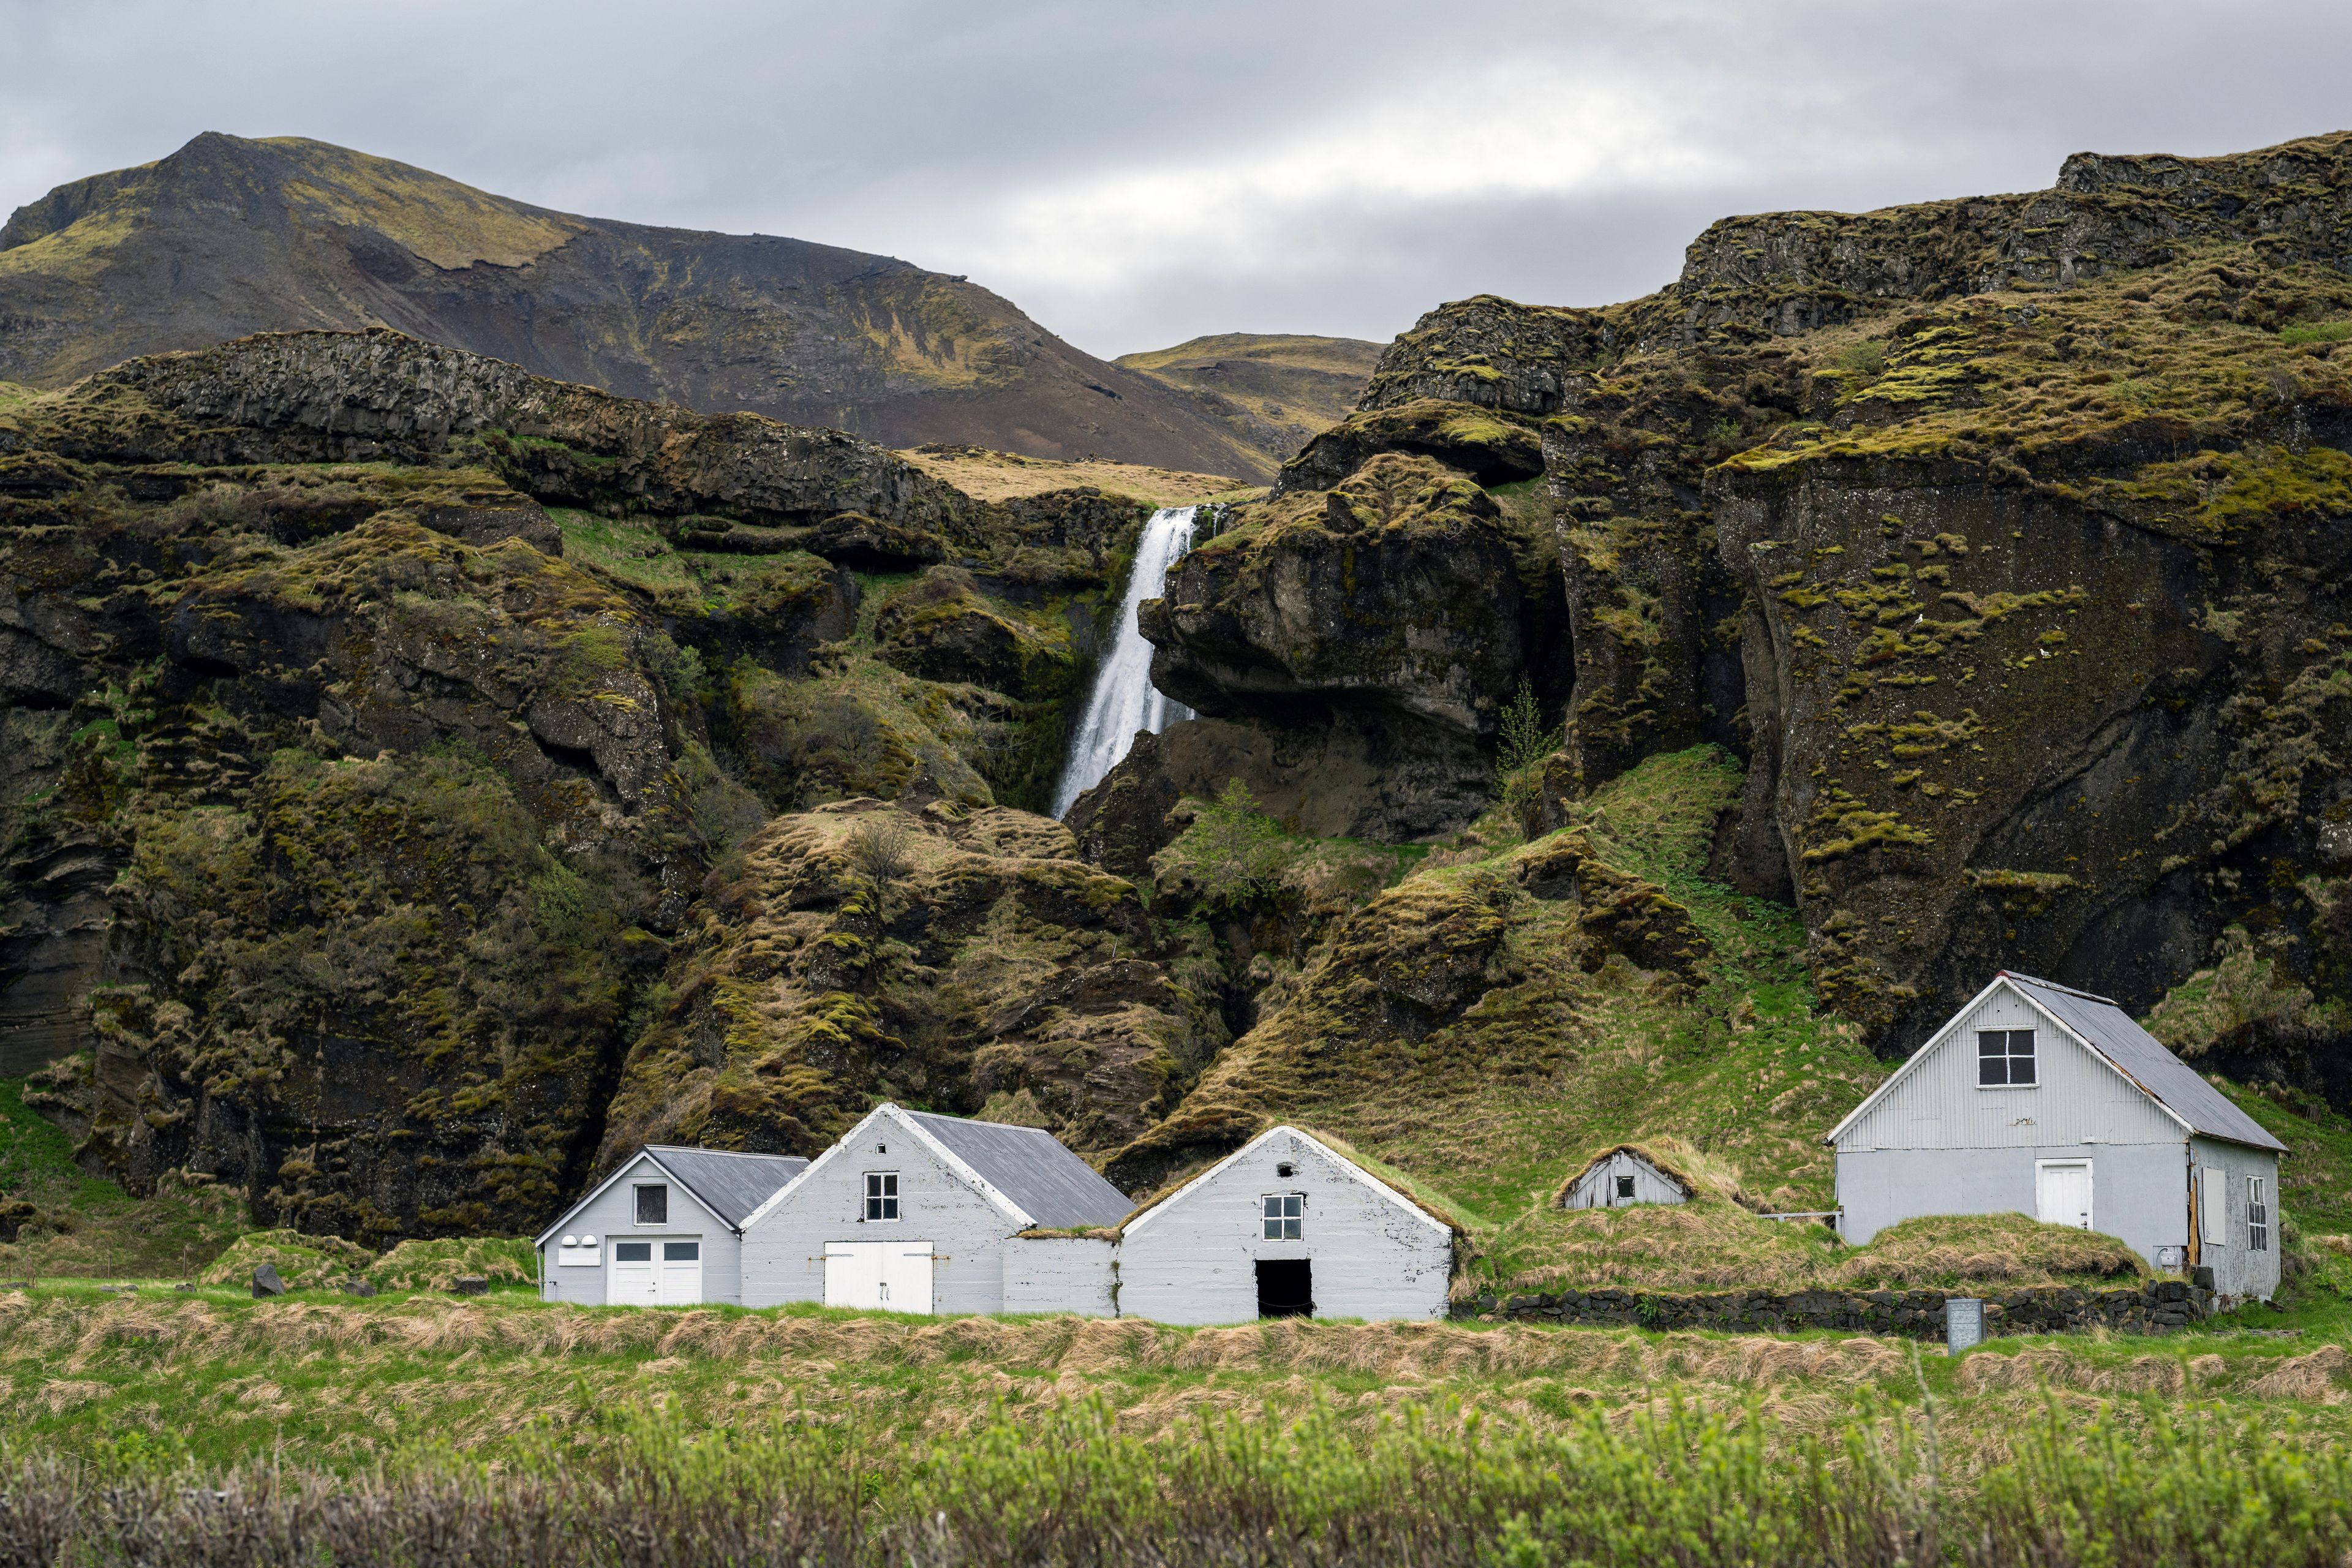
point(612, 1259)
point(1061, 1274)
point(1285, 1198)
point(2086, 1142)
point(1620, 1177)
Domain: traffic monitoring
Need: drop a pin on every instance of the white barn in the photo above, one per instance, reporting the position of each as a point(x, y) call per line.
point(914, 1212)
point(663, 1230)
point(1284, 1225)
point(1617, 1177)
point(2053, 1102)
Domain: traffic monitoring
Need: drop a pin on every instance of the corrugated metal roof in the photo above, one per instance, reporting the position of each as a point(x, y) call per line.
point(731, 1184)
point(2143, 1058)
point(1032, 1167)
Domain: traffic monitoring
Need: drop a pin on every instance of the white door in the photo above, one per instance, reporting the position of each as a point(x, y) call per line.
point(636, 1277)
point(681, 1273)
point(2064, 1193)
point(893, 1275)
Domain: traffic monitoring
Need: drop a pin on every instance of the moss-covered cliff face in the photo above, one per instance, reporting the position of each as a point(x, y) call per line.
point(377, 713)
point(229, 236)
point(2005, 540)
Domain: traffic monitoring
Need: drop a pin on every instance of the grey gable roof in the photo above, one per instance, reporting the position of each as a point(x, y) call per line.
point(2143, 1058)
point(1033, 1168)
point(731, 1184)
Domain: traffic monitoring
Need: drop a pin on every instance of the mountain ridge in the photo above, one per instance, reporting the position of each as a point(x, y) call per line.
point(229, 236)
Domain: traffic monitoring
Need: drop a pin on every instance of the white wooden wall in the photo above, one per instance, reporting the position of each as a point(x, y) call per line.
point(1597, 1188)
point(1192, 1259)
point(612, 1217)
point(2078, 1100)
point(2237, 1269)
point(1059, 1274)
point(783, 1251)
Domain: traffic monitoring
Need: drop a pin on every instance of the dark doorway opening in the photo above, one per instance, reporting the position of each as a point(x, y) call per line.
point(1286, 1288)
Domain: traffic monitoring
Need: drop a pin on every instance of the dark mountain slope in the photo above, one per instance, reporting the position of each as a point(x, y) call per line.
point(229, 236)
point(1274, 390)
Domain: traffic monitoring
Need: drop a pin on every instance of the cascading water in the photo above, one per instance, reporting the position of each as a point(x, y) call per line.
point(1124, 700)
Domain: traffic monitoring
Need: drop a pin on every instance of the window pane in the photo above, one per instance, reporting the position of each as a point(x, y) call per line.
point(680, 1251)
point(1993, 1043)
point(633, 1252)
point(891, 1186)
point(2021, 1069)
point(653, 1206)
point(1992, 1069)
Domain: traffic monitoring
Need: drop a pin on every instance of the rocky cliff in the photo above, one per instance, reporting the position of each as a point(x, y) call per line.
point(420, 769)
point(2003, 542)
point(228, 236)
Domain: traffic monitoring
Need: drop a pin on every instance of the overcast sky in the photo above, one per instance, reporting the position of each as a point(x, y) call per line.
point(1134, 174)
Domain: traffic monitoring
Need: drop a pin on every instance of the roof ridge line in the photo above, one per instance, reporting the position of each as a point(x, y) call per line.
point(2053, 985)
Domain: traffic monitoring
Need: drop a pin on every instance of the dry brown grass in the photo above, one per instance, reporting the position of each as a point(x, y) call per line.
point(991, 476)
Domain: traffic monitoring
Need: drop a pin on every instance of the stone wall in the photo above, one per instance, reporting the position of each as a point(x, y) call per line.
point(2156, 1308)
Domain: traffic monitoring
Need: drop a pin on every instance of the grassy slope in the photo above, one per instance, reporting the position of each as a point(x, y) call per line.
point(1004, 475)
point(87, 1226)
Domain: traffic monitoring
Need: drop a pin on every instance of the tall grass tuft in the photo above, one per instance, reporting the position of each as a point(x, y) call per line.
point(1437, 1488)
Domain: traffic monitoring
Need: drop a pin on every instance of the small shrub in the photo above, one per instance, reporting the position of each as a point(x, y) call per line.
point(1237, 849)
point(2319, 333)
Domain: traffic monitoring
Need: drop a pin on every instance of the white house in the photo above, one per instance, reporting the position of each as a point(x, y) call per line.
point(663, 1230)
point(1622, 1175)
point(920, 1213)
point(2055, 1103)
point(1284, 1225)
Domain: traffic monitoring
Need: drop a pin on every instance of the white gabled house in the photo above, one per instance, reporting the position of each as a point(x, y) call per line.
point(1284, 1225)
point(915, 1212)
point(663, 1230)
point(2053, 1102)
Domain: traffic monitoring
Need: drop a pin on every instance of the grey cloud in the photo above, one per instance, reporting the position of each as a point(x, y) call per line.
point(999, 140)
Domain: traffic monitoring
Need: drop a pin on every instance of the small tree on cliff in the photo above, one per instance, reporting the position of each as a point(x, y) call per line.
point(1236, 849)
point(1522, 743)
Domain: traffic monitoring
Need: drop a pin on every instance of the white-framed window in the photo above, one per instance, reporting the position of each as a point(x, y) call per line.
point(2005, 1058)
point(881, 1194)
point(653, 1203)
point(1286, 1214)
point(2258, 1213)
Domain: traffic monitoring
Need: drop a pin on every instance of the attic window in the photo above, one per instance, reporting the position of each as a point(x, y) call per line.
point(1285, 1171)
point(881, 1194)
point(2004, 1057)
point(653, 1204)
point(1624, 1186)
point(1284, 1215)
point(881, 1148)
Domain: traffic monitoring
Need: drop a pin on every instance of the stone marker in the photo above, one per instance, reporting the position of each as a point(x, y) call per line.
point(185, 1284)
point(355, 1286)
point(266, 1283)
point(1963, 1323)
point(470, 1285)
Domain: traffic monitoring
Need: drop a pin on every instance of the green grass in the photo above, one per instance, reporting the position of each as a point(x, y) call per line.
point(2320, 333)
point(85, 1225)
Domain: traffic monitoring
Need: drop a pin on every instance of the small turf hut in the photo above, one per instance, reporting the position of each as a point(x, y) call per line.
point(1626, 1174)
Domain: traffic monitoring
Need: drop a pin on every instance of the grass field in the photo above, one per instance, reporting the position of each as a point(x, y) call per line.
point(1056, 1439)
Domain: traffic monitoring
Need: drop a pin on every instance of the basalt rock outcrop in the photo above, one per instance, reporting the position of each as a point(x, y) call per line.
point(2003, 539)
point(377, 713)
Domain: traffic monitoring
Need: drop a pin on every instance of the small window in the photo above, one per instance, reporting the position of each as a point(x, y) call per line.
point(633, 1252)
point(653, 1204)
point(2004, 1056)
point(1285, 1212)
point(881, 1194)
point(2258, 1213)
point(681, 1252)
point(1285, 1171)
point(1624, 1186)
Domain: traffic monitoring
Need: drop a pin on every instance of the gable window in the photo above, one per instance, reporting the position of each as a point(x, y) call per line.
point(1624, 1186)
point(881, 1194)
point(1285, 1213)
point(2004, 1057)
point(653, 1204)
point(2258, 1213)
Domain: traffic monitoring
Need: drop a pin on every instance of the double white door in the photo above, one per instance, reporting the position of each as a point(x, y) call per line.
point(662, 1272)
point(894, 1275)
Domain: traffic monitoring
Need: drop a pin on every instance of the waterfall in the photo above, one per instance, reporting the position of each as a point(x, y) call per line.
point(1124, 700)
